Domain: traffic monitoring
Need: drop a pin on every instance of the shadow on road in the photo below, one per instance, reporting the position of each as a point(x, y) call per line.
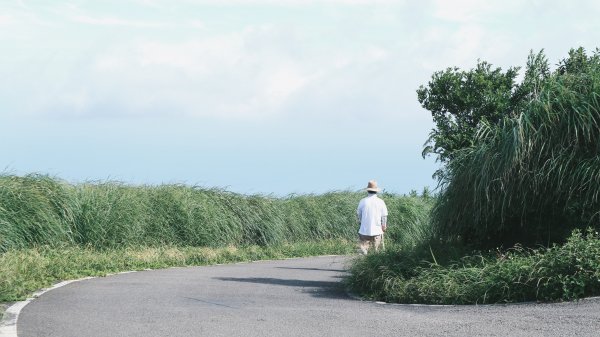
point(325, 289)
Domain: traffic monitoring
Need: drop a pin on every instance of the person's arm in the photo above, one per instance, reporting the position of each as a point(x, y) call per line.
point(384, 217)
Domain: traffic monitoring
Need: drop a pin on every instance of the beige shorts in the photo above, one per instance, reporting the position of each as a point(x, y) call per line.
point(365, 242)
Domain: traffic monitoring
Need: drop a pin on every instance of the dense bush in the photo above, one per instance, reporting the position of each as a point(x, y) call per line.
point(565, 272)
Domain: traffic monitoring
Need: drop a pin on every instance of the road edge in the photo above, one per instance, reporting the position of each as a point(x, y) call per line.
point(8, 323)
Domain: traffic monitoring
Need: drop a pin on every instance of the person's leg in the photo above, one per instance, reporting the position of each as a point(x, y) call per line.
point(364, 243)
point(364, 246)
point(377, 242)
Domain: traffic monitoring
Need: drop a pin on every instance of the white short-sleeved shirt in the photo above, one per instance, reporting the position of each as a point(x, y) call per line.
point(370, 211)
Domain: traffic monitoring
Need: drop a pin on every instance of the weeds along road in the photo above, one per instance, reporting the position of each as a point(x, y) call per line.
point(299, 297)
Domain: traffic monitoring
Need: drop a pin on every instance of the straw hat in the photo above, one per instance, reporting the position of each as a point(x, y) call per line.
point(372, 186)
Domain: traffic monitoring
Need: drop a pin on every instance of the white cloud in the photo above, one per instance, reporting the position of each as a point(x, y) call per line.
point(205, 66)
point(149, 3)
point(155, 3)
point(502, 32)
point(255, 72)
point(441, 48)
point(5, 20)
point(464, 11)
point(20, 16)
point(112, 21)
point(283, 82)
point(375, 54)
point(467, 30)
point(197, 24)
point(467, 41)
point(22, 4)
point(196, 56)
point(109, 62)
point(78, 100)
point(244, 74)
point(459, 10)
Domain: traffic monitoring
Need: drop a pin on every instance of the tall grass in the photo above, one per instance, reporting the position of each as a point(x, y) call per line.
point(51, 230)
point(34, 209)
point(409, 220)
point(533, 178)
point(40, 210)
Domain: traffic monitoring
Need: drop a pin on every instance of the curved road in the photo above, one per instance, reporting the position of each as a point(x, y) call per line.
point(298, 297)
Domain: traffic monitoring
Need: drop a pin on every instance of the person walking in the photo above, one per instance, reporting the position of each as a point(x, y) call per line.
point(372, 215)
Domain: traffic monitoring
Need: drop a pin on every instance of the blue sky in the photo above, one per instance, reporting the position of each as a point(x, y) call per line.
point(257, 96)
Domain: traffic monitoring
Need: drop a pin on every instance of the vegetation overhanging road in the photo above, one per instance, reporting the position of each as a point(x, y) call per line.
point(297, 297)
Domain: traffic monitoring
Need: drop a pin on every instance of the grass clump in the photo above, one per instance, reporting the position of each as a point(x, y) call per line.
point(561, 272)
point(34, 209)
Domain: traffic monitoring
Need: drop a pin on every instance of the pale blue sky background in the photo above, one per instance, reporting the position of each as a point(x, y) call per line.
point(258, 96)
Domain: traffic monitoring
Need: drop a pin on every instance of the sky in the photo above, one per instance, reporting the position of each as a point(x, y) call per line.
point(254, 96)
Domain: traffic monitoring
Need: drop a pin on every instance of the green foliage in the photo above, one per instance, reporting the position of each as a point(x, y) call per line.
point(566, 272)
point(107, 214)
point(459, 101)
point(533, 178)
point(34, 209)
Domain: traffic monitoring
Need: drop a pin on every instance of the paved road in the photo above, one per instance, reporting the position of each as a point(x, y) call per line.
point(299, 297)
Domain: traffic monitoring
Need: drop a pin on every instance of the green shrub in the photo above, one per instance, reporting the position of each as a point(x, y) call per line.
point(562, 272)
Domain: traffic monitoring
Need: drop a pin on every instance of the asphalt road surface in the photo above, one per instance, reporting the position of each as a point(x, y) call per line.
point(298, 297)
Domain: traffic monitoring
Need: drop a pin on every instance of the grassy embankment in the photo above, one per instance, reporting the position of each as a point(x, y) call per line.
point(51, 230)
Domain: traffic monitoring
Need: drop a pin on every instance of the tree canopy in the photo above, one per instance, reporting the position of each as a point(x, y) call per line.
point(460, 101)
